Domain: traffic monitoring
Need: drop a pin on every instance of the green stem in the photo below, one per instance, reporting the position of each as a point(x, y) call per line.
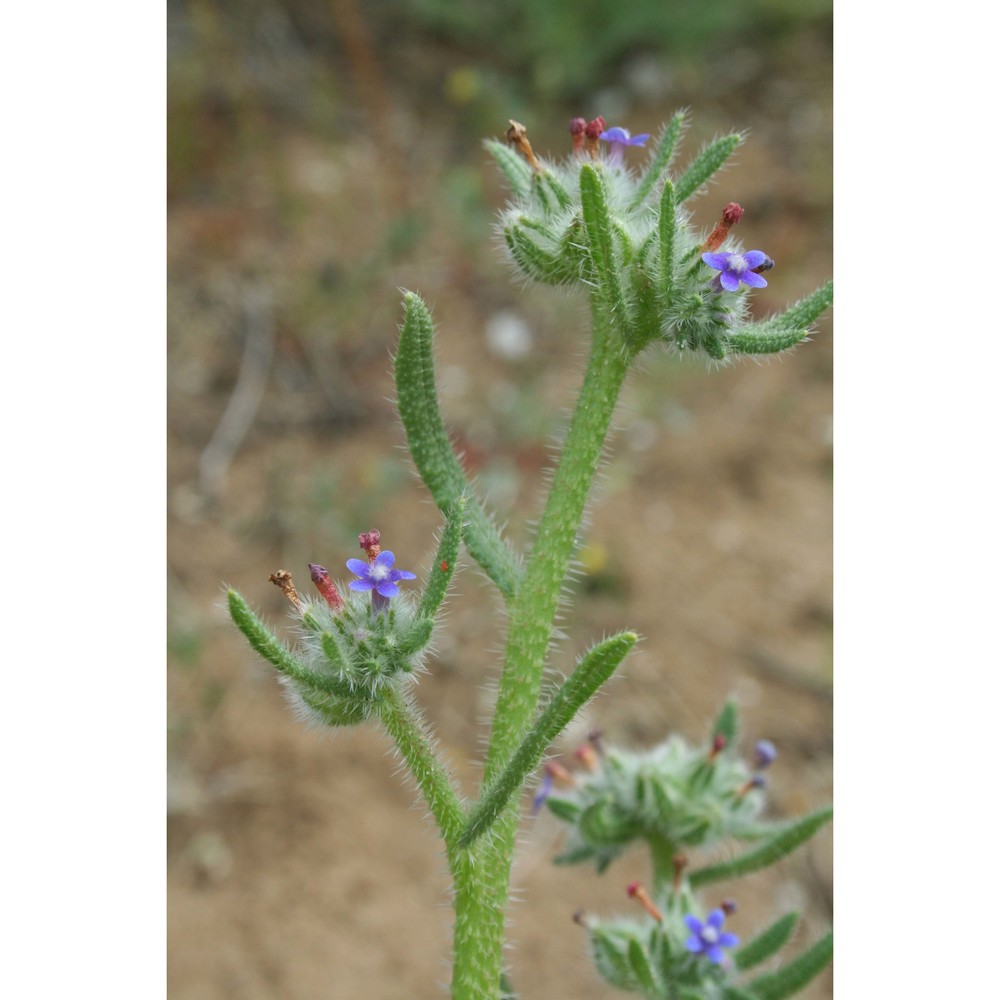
point(662, 854)
point(483, 873)
point(406, 728)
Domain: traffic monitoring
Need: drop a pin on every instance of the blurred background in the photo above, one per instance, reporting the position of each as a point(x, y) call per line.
point(322, 155)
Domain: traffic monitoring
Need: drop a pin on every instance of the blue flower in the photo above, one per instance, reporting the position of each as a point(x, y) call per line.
point(379, 575)
point(765, 754)
point(620, 137)
point(737, 267)
point(709, 938)
point(543, 792)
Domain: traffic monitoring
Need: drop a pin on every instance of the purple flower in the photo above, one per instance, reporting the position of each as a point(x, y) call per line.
point(379, 575)
point(709, 938)
point(765, 754)
point(737, 267)
point(619, 138)
point(544, 791)
point(623, 137)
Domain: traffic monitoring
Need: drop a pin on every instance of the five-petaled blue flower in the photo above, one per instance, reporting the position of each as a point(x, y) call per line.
point(709, 938)
point(379, 575)
point(620, 137)
point(737, 267)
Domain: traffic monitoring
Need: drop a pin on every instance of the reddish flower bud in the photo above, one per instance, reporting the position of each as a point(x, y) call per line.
point(593, 132)
point(325, 586)
point(371, 542)
point(731, 214)
point(638, 893)
point(587, 756)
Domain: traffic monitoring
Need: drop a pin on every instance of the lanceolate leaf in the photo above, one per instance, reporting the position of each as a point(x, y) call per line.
point(765, 944)
point(792, 977)
point(276, 653)
point(661, 161)
point(593, 670)
point(445, 561)
point(727, 723)
point(597, 223)
point(784, 842)
point(514, 168)
point(809, 309)
point(708, 161)
point(432, 452)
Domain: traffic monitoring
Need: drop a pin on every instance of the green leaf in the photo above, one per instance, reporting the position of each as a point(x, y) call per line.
point(594, 668)
point(787, 840)
point(432, 452)
point(708, 161)
point(336, 711)
point(643, 971)
point(661, 161)
point(276, 653)
point(727, 723)
point(549, 183)
point(445, 560)
point(737, 993)
point(600, 240)
point(537, 263)
point(809, 309)
point(765, 338)
point(415, 637)
point(565, 810)
point(785, 330)
point(514, 168)
point(794, 976)
point(767, 943)
point(609, 953)
point(666, 231)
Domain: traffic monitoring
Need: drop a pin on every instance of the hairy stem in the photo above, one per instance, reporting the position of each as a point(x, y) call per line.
point(406, 728)
point(482, 881)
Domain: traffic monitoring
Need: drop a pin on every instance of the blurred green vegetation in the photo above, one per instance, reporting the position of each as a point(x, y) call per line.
point(553, 51)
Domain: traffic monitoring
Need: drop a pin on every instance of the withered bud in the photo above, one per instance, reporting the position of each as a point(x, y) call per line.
point(282, 579)
point(517, 136)
point(728, 907)
point(719, 743)
point(576, 129)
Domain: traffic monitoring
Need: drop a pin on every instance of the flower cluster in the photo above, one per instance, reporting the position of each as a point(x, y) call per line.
point(674, 794)
point(593, 221)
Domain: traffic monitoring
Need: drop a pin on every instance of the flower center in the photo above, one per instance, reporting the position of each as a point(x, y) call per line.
point(738, 263)
point(709, 935)
point(378, 572)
